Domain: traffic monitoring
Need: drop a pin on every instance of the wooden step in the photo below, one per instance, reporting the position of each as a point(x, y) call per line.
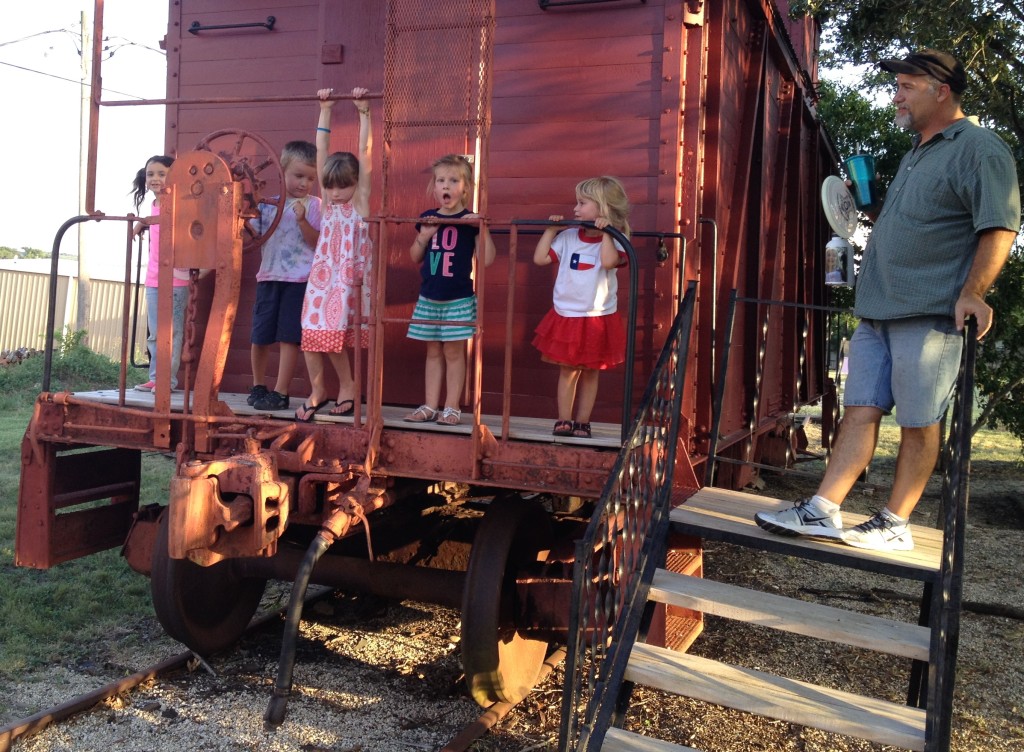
point(791, 615)
point(719, 514)
point(776, 697)
point(617, 740)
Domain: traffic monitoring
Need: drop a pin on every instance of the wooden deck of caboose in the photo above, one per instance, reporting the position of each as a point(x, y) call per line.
point(605, 435)
point(525, 456)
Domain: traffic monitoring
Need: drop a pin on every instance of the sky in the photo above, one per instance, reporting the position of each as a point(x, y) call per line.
point(40, 125)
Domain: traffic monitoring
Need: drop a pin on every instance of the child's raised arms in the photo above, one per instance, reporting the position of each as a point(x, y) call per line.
point(361, 198)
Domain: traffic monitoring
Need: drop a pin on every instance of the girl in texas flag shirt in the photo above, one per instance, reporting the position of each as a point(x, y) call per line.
point(583, 334)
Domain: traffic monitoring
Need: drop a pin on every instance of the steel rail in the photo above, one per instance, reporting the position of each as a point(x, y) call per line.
point(487, 720)
point(39, 721)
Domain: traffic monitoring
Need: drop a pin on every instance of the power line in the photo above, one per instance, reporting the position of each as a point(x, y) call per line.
point(37, 34)
point(69, 80)
point(129, 43)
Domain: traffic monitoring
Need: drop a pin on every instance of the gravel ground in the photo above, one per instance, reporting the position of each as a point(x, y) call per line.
point(377, 675)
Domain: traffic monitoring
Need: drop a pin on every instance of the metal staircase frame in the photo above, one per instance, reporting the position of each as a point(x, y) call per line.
point(611, 588)
point(623, 545)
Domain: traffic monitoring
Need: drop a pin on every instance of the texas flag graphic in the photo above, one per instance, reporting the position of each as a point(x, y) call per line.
point(582, 263)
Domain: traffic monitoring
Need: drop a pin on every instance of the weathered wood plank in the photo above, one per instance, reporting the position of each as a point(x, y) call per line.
point(777, 697)
point(790, 615)
point(732, 512)
point(618, 740)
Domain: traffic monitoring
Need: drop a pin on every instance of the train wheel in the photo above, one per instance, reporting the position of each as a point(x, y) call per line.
point(501, 664)
point(207, 608)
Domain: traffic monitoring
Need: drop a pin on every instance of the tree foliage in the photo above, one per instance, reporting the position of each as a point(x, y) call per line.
point(6, 252)
point(988, 36)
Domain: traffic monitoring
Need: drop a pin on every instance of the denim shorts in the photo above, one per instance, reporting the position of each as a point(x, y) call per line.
point(910, 364)
point(277, 313)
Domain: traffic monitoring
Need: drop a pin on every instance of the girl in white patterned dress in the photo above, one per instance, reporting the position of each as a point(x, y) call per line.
point(342, 257)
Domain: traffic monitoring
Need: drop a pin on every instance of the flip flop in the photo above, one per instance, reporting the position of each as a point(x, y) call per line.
point(305, 413)
point(340, 408)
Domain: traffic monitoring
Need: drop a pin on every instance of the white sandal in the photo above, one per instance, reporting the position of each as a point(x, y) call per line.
point(450, 417)
point(422, 414)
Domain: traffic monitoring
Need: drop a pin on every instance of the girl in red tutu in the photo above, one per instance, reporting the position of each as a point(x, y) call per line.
point(583, 333)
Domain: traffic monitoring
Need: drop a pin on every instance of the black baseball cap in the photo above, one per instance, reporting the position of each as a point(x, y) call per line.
point(941, 66)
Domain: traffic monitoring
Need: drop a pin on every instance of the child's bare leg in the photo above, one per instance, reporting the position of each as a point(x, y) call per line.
point(567, 378)
point(434, 374)
point(258, 358)
point(586, 394)
point(346, 385)
point(455, 372)
point(315, 367)
point(285, 367)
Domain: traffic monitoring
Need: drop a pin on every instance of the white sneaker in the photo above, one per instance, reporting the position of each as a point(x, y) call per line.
point(880, 533)
point(803, 518)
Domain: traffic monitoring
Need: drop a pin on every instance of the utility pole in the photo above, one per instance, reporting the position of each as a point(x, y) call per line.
point(84, 283)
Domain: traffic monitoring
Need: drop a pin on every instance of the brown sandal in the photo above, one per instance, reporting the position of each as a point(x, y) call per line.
point(581, 430)
point(562, 428)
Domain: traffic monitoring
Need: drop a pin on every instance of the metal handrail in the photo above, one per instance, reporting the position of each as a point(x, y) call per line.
point(945, 610)
point(720, 383)
point(51, 304)
point(623, 544)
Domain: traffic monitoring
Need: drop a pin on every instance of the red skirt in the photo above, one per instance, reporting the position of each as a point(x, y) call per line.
point(594, 342)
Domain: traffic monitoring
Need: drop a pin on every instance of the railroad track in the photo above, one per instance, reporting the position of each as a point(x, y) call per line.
point(371, 675)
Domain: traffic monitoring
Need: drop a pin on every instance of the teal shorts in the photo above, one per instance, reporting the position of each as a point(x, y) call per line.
point(456, 311)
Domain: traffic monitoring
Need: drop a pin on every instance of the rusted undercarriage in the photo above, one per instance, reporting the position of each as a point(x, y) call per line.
point(245, 512)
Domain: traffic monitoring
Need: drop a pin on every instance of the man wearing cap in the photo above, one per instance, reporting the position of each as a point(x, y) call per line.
point(940, 238)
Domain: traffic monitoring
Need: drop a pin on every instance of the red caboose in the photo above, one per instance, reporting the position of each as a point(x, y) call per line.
point(706, 114)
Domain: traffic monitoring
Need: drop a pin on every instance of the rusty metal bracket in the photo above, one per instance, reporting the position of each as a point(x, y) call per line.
point(227, 507)
point(693, 13)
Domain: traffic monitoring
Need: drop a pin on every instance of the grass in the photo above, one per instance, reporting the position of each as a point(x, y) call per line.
point(66, 612)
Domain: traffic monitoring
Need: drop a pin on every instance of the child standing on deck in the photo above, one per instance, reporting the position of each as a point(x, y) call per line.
point(342, 257)
point(152, 177)
point(281, 281)
point(582, 334)
point(445, 254)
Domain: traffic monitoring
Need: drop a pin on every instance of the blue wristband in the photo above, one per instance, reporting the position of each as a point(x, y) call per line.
point(323, 130)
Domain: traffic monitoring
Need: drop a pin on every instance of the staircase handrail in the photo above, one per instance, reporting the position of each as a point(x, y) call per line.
point(623, 545)
point(946, 607)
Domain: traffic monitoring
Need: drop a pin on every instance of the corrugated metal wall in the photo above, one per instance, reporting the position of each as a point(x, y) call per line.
point(23, 297)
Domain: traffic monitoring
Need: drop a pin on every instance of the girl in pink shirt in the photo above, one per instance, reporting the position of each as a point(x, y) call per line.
point(152, 178)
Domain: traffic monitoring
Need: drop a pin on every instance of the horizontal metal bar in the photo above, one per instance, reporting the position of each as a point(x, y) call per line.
point(196, 27)
point(235, 100)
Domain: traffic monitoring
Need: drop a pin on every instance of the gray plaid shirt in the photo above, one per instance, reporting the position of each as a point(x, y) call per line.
point(961, 182)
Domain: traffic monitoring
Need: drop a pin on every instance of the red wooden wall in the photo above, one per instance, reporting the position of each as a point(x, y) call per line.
point(704, 117)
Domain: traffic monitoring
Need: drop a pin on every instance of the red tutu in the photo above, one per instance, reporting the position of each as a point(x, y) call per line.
point(594, 342)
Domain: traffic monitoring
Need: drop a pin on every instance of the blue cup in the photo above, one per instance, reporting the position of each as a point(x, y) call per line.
point(861, 169)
